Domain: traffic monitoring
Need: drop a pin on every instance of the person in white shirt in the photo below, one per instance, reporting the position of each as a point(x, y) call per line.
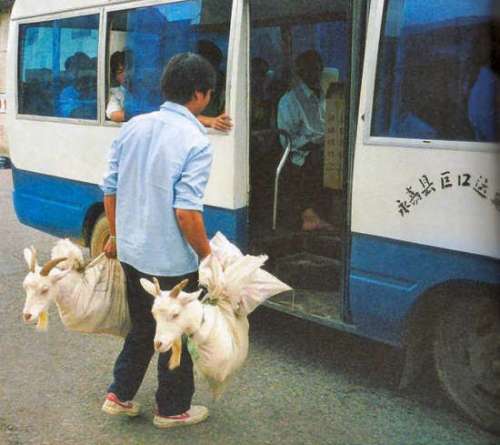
point(115, 110)
point(301, 112)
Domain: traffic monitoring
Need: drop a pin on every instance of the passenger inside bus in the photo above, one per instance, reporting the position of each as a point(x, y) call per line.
point(214, 115)
point(120, 62)
point(260, 94)
point(78, 98)
point(482, 105)
point(301, 112)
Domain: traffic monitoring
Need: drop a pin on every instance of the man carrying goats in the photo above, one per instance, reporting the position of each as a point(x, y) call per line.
point(155, 183)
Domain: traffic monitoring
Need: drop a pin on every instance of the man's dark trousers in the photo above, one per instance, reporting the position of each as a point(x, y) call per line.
point(175, 388)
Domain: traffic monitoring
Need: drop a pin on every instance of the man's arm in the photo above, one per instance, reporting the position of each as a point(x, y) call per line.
point(110, 209)
point(193, 228)
point(222, 122)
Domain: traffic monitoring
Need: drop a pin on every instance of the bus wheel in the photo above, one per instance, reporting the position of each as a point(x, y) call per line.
point(100, 235)
point(467, 357)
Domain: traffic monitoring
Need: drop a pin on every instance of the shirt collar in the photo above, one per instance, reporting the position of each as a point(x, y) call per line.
point(182, 110)
point(308, 92)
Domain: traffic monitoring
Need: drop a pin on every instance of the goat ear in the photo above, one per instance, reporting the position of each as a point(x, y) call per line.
point(150, 287)
point(187, 297)
point(60, 274)
point(30, 258)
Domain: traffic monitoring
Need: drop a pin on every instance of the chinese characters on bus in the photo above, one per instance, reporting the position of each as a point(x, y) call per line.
point(447, 180)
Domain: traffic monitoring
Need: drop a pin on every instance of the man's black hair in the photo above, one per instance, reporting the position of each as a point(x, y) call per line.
point(304, 60)
point(185, 74)
point(210, 51)
point(123, 59)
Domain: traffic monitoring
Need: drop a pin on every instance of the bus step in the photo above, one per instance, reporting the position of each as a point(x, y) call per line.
point(326, 245)
point(308, 271)
point(277, 245)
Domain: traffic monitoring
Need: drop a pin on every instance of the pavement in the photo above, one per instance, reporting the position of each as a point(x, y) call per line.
point(302, 383)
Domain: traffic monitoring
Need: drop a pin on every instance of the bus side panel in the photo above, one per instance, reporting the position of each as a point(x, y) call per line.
point(388, 276)
point(55, 205)
point(232, 223)
point(59, 206)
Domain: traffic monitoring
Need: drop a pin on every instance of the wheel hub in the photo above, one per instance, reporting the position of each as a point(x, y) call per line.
point(484, 353)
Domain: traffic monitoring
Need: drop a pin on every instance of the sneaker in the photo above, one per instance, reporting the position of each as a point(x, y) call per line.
point(196, 414)
point(115, 407)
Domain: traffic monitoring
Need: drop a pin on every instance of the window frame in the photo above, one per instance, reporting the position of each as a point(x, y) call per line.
point(127, 6)
point(371, 62)
point(49, 18)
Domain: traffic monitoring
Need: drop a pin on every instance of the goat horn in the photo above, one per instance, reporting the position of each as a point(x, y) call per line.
point(177, 289)
point(157, 285)
point(50, 265)
point(33, 259)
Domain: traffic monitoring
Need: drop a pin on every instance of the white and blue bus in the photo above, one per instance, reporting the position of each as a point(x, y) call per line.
point(411, 169)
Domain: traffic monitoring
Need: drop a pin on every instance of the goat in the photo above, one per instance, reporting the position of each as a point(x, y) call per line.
point(44, 285)
point(220, 336)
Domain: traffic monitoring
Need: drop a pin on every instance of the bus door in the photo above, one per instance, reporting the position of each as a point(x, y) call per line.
point(299, 87)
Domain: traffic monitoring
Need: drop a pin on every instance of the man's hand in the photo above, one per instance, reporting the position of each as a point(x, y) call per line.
point(110, 248)
point(110, 209)
point(222, 123)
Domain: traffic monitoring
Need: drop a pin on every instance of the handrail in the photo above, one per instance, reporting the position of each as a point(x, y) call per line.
point(281, 164)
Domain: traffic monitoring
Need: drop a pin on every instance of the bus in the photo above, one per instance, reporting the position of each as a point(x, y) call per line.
point(406, 142)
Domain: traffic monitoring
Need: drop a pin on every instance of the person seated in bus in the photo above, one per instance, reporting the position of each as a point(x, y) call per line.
point(77, 68)
point(119, 61)
point(214, 115)
point(482, 104)
point(259, 92)
point(301, 112)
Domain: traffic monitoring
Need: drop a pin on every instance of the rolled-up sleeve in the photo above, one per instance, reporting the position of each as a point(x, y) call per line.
point(189, 189)
point(110, 179)
point(289, 120)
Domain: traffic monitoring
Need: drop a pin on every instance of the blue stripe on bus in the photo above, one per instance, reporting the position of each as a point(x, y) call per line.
point(54, 205)
point(387, 277)
point(59, 206)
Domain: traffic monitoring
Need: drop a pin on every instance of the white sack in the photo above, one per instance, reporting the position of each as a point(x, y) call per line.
point(236, 285)
point(98, 304)
point(237, 277)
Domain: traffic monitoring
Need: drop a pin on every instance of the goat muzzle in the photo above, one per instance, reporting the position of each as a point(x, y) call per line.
point(26, 317)
point(158, 345)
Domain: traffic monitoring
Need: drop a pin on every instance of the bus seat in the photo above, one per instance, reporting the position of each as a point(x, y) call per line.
point(329, 76)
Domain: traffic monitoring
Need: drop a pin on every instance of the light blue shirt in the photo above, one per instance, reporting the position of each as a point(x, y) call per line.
point(160, 161)
point(302, 114)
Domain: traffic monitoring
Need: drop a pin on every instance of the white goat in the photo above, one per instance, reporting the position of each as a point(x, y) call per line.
point(220, 336)
point(46, 284)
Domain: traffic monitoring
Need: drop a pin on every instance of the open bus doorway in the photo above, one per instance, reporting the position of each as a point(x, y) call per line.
point(299, 74)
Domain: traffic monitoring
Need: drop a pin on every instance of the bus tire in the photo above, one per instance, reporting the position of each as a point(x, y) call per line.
point(467, 356)
point(100, 235)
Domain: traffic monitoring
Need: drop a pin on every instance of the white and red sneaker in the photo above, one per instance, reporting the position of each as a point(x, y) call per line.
point(115, 407)
point(195, 414)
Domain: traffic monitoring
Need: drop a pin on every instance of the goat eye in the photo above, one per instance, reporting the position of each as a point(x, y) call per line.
point(175, 316)
point(45, 290)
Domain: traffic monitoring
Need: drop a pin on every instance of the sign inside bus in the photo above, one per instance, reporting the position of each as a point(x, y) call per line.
point(447, 180)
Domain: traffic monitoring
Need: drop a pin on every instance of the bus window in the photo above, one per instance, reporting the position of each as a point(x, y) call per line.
point(434, 77)
point(58, 68)
point(150, 36)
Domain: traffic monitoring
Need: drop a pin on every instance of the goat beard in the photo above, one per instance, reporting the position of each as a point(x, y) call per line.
point(175, 356)
point(43, 321)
